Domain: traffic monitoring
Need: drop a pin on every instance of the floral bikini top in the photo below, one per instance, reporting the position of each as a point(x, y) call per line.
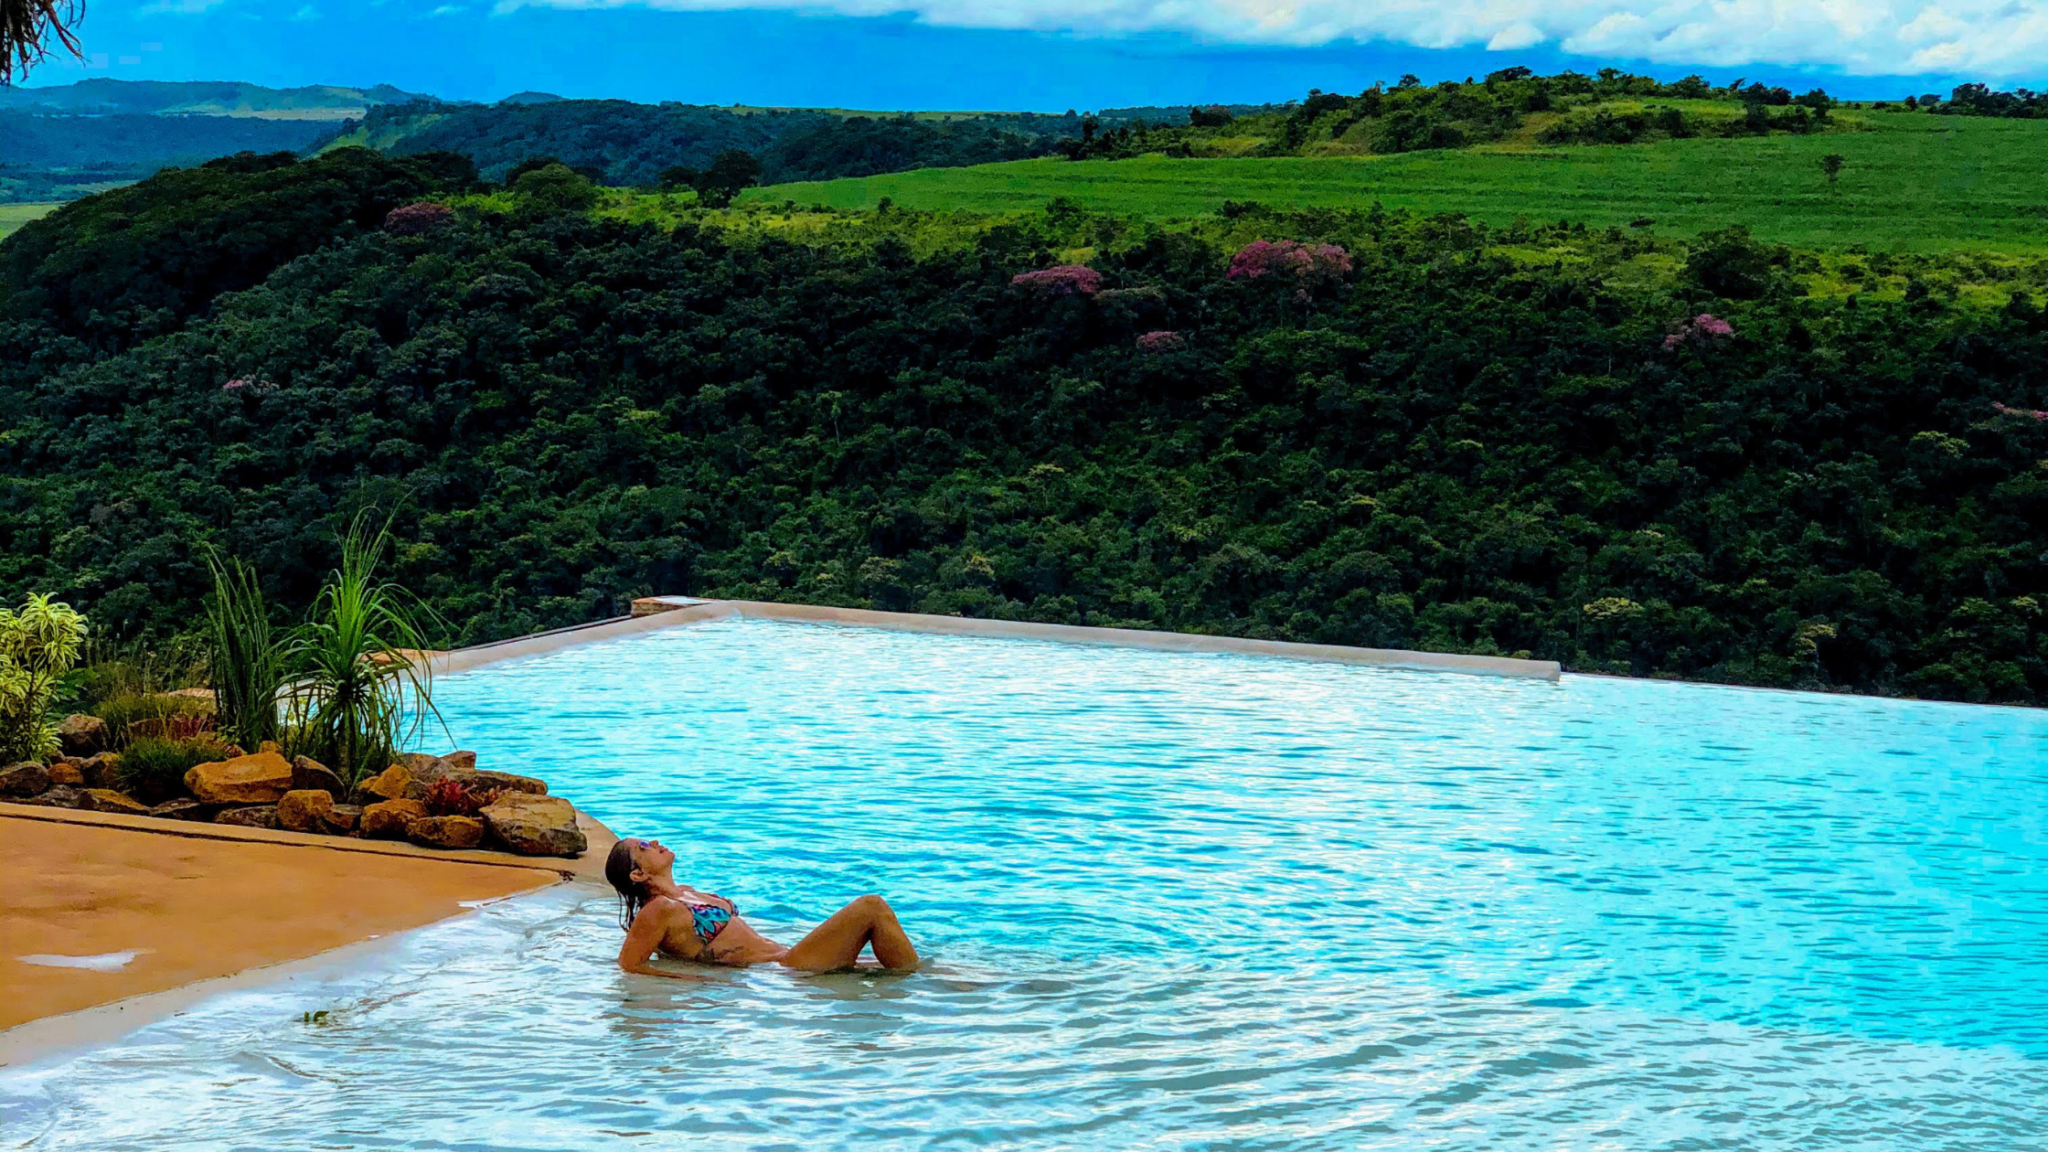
point(708, 920)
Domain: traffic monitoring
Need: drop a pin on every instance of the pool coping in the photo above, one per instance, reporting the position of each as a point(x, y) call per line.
point(651, 613)
point(587, 868)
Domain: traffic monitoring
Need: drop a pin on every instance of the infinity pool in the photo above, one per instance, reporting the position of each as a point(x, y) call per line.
point(1174, 902)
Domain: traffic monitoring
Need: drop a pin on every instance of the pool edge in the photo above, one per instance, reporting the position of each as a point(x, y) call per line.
point(657, 612)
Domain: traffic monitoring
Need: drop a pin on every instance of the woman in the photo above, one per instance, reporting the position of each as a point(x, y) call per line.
point(659, 914)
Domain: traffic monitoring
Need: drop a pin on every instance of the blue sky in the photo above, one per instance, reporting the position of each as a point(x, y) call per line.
point(1045, 55)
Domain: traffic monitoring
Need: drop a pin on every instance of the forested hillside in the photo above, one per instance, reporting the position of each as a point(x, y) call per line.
point(66, 141)
point(623, 143)
point(1358, 426)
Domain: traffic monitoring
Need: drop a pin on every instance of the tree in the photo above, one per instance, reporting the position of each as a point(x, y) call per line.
point(1831, 164)
point(27, 29)
point(733, 170)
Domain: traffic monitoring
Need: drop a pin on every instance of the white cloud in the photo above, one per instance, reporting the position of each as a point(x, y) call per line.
point(1993, 38)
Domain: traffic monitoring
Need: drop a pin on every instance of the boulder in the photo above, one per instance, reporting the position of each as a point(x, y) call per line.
point(59, 796)
point(480, 781)
point(251, 816)
point(24, 778)
point(183, 808)
point(101, 770)
point(393, 783)
point(446, 831)
point(82, 735)
point(460, 759)
point(70, 772)
point(535, 825)
point(424, 768)
point(235, 750)
point(389, 819)
point(108, 800)
point(271, 746)
point(258, 779)
point(205, 694)
point(310, 773)
point(341, 819)
point(301, 809)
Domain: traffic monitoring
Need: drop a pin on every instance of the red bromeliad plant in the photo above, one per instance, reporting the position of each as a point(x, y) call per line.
point(454, 798)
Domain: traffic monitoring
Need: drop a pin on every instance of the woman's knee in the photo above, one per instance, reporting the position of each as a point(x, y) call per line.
point(870, 903)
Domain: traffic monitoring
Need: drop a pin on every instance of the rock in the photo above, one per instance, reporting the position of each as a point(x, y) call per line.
point(446, 831)
point(341, 819)
point(60, 796)
point(252, 816)
point(67, 772)
point(108, 800)
point(24, 778)
point(183, 808)
point(393, 783)
point(477, 781)
point(271, 746)
point(258, 779)
point(300, 809)
point(535, 825)
point(102, 770)
point(424, 768)
point(82, 735)
point(463, 760)
point(205, 694)
point(388, 820)
point(235, 751)
point(310, 773)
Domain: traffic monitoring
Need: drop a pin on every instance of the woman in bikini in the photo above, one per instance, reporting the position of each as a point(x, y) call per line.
point(660, 915)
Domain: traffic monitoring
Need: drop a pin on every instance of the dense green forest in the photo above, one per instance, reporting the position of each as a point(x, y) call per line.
point(626, 144)
point(1355, 426)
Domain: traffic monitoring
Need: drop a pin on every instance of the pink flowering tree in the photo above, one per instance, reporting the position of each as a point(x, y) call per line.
point(1702, 331)
point(1060, 280)
point(1161, 341)
point(1308, 267)
point(417, 219)
point(2031, 413)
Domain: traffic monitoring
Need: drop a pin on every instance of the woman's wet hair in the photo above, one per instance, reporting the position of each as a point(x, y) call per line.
point(618, 868)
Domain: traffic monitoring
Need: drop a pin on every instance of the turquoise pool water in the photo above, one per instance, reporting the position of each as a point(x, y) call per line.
point(1180, 902)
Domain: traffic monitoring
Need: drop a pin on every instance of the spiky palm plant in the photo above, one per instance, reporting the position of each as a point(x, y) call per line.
point(29, 28)
point(361, 684)
point(245, 660)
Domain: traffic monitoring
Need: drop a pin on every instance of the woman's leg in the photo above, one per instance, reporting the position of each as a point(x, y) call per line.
point(837, 943)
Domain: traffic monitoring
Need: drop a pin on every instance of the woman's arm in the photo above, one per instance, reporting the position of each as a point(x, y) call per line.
point(648, 931)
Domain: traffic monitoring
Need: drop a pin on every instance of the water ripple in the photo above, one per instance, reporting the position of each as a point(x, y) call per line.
point(1178, 902)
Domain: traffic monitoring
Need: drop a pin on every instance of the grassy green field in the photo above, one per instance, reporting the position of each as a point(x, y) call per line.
point(13, 216)
point(1912, 183)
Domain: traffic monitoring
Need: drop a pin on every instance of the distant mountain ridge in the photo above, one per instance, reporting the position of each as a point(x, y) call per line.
point(226, 98)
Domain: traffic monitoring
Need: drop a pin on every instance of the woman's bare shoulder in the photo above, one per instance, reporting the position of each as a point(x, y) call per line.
point(658, 910)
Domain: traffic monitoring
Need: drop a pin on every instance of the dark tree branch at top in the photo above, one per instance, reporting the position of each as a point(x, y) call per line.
point(27, 30)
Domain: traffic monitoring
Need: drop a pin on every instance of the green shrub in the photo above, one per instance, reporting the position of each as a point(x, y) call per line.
point(150, 712)
point(108, 669)
point(153, 767)
point(38, 645)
